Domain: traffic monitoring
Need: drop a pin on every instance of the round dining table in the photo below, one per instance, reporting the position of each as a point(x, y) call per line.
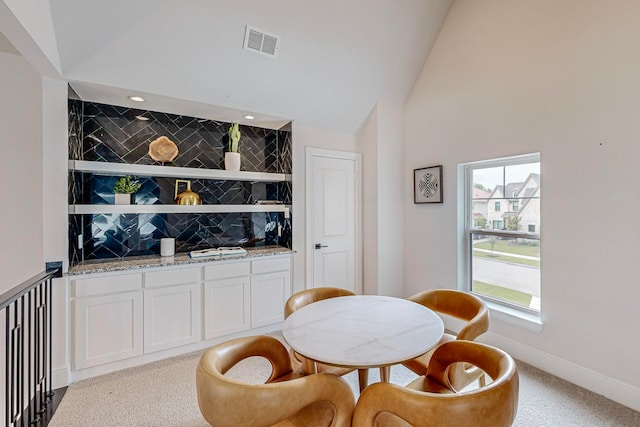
point(362, 331)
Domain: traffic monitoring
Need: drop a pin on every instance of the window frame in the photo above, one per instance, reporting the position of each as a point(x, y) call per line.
point(466, 229)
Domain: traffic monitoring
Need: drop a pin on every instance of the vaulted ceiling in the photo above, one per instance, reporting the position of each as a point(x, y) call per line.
point(336, 58)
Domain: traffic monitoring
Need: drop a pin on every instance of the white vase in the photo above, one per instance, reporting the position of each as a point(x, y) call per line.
point(123, 199)
point(232, 161)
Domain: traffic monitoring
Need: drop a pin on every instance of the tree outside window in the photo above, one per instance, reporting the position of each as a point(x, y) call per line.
point(480, 222)
point(513, 223)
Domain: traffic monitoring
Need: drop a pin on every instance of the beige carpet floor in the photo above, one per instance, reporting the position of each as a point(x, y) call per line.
point(163, 394)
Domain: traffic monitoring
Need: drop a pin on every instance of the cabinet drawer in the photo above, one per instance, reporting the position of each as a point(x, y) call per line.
point(270, 265)
point(171, 277)
point(106, 285)
point(223, 271)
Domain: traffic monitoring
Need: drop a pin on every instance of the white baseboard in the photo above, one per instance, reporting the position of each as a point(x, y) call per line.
point(611, 388)
point(59, 377)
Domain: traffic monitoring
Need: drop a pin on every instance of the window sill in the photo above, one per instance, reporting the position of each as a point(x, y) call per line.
point(525, 320)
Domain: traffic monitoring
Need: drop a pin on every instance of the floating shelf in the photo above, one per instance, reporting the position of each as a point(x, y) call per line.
point(107, 168)
point(144, 209)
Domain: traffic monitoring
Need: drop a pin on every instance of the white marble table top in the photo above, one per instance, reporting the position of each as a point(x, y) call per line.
point(362, 331)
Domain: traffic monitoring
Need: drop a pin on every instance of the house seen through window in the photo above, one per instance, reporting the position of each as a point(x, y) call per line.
point(502, 248)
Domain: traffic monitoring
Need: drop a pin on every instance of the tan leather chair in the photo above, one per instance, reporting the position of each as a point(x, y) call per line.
point(308, 296)
point(287, 399)
point(463, 306)
point(431, 401)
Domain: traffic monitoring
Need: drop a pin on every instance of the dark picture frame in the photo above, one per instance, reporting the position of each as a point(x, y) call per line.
point(427, 185)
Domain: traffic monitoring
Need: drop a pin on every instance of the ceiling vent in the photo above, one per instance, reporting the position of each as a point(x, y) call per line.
point(259, 41)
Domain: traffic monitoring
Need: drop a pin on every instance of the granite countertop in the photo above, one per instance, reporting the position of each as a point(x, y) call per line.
point(149, 261)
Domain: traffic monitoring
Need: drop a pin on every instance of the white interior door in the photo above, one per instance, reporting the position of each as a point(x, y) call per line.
point(333, 203)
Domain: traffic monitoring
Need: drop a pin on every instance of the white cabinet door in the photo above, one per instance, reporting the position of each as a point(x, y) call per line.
point(107, 328)
point(269, 293)
point(226, 306)
point(171, 317)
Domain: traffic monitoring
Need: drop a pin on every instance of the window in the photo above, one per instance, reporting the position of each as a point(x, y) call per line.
point(502, 264)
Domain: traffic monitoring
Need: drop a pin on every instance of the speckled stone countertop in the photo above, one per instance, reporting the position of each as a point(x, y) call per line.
point(149, 261)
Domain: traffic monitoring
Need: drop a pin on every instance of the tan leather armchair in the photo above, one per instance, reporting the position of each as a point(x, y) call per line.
point(308, 296)
point(431, 401)
point(463, 306)
point(287, 399)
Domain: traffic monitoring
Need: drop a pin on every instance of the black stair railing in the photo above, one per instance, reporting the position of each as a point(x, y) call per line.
point(26, 310)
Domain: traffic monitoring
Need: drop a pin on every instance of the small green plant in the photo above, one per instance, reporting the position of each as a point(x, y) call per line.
point(234, 137)
point(126, 185)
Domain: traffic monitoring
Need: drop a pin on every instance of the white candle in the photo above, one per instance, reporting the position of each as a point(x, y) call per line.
point(167, 246)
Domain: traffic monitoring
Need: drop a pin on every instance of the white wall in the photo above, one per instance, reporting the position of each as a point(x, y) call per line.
point(380, 140)
point(390, 260)
point(21, 252)
point(55, 222)
point(561, 78)
point(367, 145)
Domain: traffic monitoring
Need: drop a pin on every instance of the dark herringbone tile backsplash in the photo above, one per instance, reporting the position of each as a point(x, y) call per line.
point(110, 133)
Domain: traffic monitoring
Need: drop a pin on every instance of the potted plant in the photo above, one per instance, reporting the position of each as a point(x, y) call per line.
point(124, 188)
point(232, 157)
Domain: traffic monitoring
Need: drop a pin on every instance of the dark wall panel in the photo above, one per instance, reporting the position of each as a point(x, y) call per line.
point(110, 133)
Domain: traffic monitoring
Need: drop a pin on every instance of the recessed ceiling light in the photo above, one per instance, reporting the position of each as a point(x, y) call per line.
point(142, 118)
point(249, 117)
point(136, 98)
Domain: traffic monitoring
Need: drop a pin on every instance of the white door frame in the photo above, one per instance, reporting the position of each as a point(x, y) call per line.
point(312, 152)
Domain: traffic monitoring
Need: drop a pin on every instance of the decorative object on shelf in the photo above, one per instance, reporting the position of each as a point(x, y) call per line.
point(163, 150)
point(167, 246)
point(232, 157)
point(269, 202)
point(187, 197)
point(427, 184)
point(222, 251)
point(124, 188)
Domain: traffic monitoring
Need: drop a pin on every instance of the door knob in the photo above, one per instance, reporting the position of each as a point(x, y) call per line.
point(318, 246)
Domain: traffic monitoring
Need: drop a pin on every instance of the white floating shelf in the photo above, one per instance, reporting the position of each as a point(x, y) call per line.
point(143, 209)
point(107, 168)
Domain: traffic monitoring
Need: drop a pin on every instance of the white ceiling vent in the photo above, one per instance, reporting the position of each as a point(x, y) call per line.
point(259, 41)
